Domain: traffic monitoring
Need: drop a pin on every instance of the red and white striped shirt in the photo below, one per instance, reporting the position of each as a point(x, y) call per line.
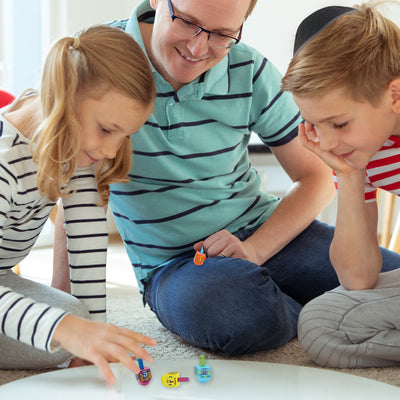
point(383, 171)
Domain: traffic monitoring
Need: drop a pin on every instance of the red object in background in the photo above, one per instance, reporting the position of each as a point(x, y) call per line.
point(5, 98)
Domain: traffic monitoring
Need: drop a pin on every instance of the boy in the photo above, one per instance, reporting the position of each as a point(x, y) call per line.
point(345, 78)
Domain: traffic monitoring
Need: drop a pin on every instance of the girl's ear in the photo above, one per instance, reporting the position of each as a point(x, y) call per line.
point(394, 88)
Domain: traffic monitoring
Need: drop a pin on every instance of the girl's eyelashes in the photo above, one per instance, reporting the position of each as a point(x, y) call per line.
point(104, 129)
point(339, 126)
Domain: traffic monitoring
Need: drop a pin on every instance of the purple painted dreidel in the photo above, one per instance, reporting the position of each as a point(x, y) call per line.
point(144, 376)
point(172, 379)
point(202, 371)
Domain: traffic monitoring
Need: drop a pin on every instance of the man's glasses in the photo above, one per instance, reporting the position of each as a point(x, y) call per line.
point(185, 28)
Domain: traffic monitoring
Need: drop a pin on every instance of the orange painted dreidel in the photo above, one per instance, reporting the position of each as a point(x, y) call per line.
point(199, 257)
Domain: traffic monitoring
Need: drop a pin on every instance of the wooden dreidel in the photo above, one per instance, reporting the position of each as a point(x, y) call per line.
point(172, 379)
point(203, 371)
point(144, 376)
point(199, 257)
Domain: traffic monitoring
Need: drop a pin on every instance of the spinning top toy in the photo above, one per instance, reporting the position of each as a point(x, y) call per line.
point(199, 257)
point(144, 376)
point(202, 371)
point(172, 379)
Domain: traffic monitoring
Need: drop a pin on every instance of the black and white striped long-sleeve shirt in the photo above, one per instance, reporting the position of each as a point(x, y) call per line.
point(23, 212)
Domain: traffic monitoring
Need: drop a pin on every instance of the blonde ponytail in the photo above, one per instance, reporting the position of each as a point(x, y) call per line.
point(98, 59)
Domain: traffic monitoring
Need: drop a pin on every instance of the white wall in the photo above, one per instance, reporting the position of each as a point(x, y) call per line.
point(70, 16)
point(272, 25)
point(270, 28)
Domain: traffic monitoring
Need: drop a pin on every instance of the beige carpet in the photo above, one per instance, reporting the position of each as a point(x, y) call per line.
point(170, 346)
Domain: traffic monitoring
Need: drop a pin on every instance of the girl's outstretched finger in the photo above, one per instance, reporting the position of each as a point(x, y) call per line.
point(133, 341)
point(105, 369)
point(143, 339)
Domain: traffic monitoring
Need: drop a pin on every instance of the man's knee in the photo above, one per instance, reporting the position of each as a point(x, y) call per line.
point(232, 308)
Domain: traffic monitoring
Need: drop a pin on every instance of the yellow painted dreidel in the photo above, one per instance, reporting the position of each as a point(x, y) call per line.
point(172, 379)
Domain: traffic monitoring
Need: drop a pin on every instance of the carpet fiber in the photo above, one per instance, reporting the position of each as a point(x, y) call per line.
point(172, 347)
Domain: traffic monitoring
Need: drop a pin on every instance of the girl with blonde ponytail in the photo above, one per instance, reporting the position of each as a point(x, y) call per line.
point(345, 78)
point(69, 141)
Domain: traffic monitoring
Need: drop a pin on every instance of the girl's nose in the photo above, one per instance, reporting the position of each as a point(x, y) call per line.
point(110, 148)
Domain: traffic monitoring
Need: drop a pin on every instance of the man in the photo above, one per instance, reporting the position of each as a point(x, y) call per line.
point(192, 186)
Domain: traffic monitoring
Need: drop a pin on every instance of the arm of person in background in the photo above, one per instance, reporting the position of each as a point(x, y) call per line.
point(87, 242)
point(60, 279)
point(312, 190)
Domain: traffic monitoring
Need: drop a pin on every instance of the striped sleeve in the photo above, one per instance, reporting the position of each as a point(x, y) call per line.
point(274, 113)
point(7, 180)
point(87, 240)
point(23, 319)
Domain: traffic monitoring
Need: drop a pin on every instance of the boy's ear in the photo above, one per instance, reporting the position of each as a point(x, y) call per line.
point(394, 88)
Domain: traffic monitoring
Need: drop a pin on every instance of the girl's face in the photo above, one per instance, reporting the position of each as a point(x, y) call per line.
point(352, 130)
point(106, 122)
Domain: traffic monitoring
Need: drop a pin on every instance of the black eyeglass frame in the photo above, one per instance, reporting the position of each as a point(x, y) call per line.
point(201, 29)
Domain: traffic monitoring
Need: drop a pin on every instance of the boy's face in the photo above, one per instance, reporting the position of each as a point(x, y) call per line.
point(180, 59)
point(352, 130)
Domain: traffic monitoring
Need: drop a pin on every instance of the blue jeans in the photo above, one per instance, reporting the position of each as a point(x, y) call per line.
point(232, 306)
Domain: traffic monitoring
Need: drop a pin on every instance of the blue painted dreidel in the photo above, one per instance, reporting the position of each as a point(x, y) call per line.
point(172, 379)
point(144, 376)
point(203, 371)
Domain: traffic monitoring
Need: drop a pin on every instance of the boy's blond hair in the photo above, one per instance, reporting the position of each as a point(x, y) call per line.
point(359, 52)
point(96, 60)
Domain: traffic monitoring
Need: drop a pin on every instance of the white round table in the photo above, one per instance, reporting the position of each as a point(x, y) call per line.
point(230, 380)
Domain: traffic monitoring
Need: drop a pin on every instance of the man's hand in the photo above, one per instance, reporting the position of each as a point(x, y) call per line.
point(223, 243)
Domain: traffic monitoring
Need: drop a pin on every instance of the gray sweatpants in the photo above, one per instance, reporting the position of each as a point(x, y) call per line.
point(354, 329)
point(18, 355)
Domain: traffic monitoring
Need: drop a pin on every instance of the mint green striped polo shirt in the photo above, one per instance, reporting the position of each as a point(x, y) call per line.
point(191, 174)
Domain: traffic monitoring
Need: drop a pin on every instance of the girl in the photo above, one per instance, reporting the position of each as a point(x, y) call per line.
point(69, 141)
point(345, 78)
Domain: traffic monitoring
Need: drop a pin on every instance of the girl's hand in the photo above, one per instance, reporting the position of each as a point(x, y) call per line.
point(309, 138)
point(101, 343)
point(223, 243)
point(78, 362)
